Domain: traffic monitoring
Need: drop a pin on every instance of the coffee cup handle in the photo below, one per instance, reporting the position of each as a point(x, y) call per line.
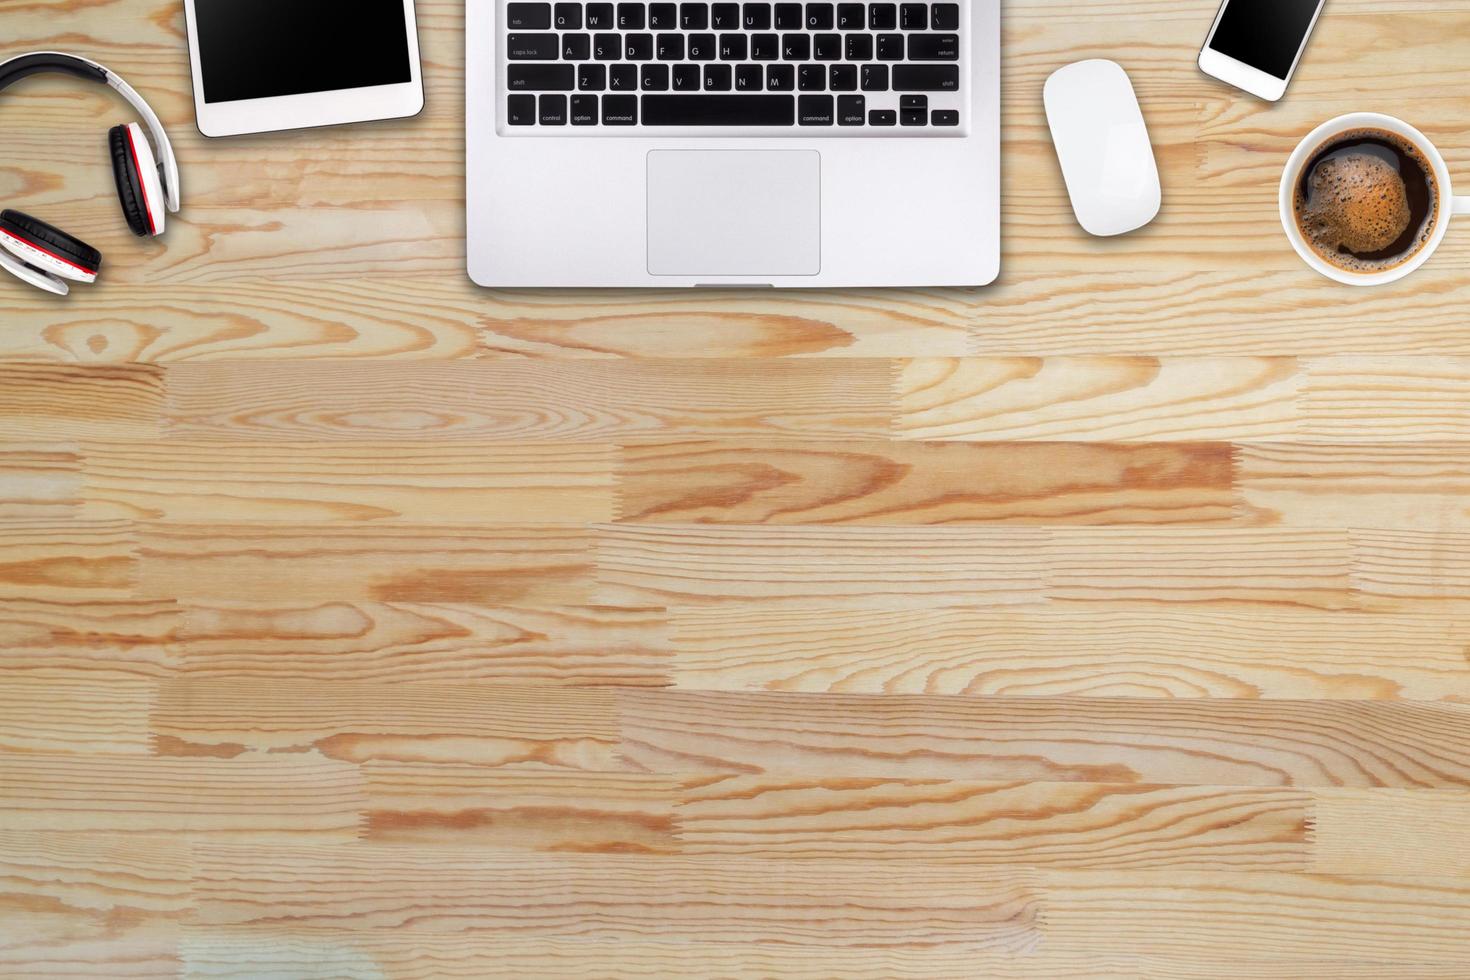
point(1461, 206)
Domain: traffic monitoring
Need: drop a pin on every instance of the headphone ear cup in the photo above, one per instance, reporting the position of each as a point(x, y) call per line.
point(47, 249)
point(139, 190)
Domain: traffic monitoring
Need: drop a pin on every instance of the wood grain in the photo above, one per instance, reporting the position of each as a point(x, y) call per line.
point(1110, 622)
point(928, 483)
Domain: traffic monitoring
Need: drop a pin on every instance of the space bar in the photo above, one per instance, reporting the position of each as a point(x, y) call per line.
point(719, 110)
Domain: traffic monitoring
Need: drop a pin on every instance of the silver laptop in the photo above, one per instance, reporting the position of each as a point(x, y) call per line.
point(733, 144)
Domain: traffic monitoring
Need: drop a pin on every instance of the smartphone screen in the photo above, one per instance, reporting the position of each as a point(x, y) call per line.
point(1265, 34)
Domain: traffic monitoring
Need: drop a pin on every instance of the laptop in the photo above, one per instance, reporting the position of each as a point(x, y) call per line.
point(733, 144)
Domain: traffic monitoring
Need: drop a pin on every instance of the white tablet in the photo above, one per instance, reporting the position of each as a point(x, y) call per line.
point(267, 65)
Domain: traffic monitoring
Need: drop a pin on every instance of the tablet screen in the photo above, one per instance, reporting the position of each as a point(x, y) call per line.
point(262, 49)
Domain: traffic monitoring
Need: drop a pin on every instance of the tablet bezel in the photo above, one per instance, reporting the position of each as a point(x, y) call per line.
point(310, 109)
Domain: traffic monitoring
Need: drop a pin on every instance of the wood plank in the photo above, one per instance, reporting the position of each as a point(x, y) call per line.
point(1391, 832)
point(407, 642)
point(1240, 565)
point(1073, 649)
point(1099, 399)
point(67, 560)
point(554, 812)
point(1382, 399)
point(1394, 568)
point(68, 402)
point(537, 401)
point(324, 482)
point(480, 724)
point(87, 714)
point(895, 483)
point(106, 905)
point(263, 562)
point(39, 481)
point(1418, 486)
point(1121, 740)
point(1259, 915)
point(97, 639)
point(810, 903)
point(261, 799)
point(833, 566)
point(1036, 824)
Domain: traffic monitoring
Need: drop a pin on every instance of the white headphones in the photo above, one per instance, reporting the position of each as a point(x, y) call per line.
point(44, 255)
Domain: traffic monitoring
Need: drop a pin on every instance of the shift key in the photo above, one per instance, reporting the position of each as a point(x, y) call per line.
point(540, 78)
point(926, 78)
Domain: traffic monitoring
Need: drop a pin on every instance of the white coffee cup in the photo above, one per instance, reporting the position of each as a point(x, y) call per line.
point(1448, 204)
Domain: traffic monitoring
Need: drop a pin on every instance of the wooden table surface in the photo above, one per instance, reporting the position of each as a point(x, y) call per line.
point(1113, 621)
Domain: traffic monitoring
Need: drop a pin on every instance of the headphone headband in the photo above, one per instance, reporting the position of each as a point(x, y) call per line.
point(36, 62)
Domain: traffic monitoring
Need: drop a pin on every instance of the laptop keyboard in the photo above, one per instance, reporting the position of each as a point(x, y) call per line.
point(842, 67)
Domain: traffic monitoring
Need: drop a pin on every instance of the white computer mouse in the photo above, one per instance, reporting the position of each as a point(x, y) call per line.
point(1103, 145)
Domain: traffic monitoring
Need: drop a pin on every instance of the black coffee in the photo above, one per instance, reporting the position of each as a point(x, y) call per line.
point(1367, 200)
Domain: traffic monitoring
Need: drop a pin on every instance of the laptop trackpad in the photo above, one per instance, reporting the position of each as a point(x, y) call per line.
point(734, 212)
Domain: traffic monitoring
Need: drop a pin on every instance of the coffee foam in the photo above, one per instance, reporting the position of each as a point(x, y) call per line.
point(1357, 201)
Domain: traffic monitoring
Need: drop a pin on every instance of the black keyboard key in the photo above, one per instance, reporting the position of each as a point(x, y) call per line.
point(717, 78)
point(606, 47)
point(599, 16)
point(819, 16)
point(890, 47)
point(732, 47)
point(859, 47)
point(687, 78)
point(926, 78)
point(749, 78)
point(576, 47)
point(756, 17)
point(788, 17)
point(875, 78)
point(843, 78)
point(620, 110)
point(780, 78)
point(913, 102)
point(520, 110)
point(913, 16)
point(653, 78)
point(882, 16)
point(591, 78)
point(719, 110)
point(934, 47)
point(851, 110)
point(725, 17)
point(584, 110)
point(702, 47)
point(850, 16)
point(814, 110)
point(553, 110)
point(945, 16)
point(530, 47)
point(540, 78)
point(567, 16)
point(945, 117)
point(765, 47)
point(796, 47)
point(913, 117)
point(827, 47)
point(638, 47)
point(663, 17)
point(811, 78)
point(630, 18)
point(693, 16)
point(528, 16)
point(623, 78)
point(669, 47)
point(882, 117)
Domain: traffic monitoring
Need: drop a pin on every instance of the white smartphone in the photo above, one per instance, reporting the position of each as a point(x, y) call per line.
point(266, 65)
point(1255, 44)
